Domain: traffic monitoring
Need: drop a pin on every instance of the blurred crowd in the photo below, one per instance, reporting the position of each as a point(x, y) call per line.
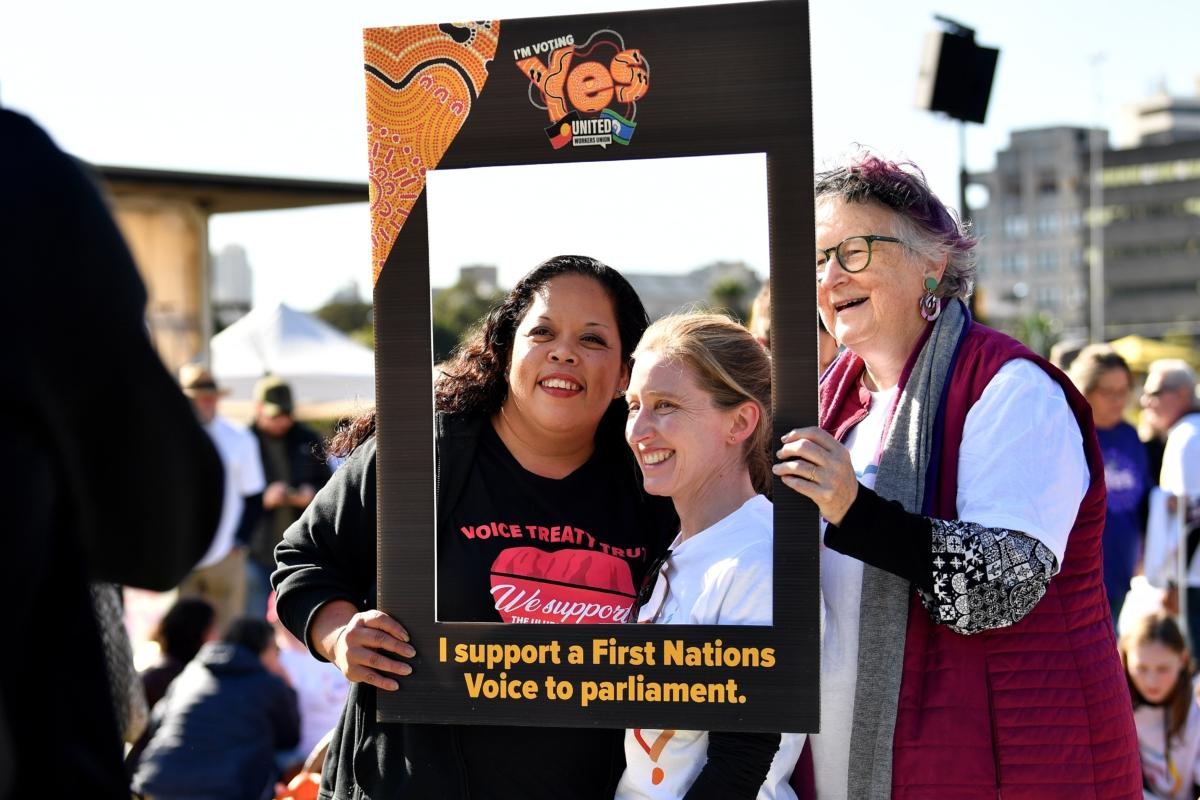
point(1151, 533)
point(236, 702)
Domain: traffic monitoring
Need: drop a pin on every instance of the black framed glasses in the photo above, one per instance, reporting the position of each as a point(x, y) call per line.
point(853, 253)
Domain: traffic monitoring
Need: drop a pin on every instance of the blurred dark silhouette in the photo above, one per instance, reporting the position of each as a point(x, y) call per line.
point(216, 732)
point(108, 475)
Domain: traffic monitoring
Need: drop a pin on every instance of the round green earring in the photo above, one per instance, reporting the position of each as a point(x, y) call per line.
point(931, 283)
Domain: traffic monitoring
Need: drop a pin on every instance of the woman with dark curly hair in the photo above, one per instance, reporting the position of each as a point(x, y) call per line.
point(537, 493)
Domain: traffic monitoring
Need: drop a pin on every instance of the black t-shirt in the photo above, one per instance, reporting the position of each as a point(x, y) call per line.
point(524, 548)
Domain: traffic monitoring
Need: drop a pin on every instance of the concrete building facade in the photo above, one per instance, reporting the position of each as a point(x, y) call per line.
point(1036, 249)
point(1032, 233)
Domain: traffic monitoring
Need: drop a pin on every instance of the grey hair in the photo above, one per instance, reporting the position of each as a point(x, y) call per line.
point(958, 279)
point(923, 222)
point(1176, 374)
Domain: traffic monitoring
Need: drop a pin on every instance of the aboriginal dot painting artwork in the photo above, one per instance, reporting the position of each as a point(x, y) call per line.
point(421, 82)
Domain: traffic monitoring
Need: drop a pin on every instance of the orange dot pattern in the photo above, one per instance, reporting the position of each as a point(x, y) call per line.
point(415, 110)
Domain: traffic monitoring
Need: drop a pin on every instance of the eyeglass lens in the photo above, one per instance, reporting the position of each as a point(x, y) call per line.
point(853, 255)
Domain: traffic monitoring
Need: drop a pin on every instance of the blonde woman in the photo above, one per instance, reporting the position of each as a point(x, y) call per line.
point(699, 424)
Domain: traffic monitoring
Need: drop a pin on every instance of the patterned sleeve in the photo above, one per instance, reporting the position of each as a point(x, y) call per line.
point(969, 577)
point(984, 578)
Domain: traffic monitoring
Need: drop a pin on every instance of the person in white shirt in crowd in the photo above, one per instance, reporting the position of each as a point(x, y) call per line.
point(699, 423)
point(320, 686)
point(220, 577)
point(1164, 707)
point(1170, 411)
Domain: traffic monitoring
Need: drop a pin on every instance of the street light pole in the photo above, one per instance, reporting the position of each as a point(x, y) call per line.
point(1096, 218)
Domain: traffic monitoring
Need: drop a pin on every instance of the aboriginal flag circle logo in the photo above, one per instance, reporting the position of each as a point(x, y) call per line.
point(589, 91)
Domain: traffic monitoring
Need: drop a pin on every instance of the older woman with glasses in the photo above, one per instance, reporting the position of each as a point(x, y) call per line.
point(699, 422)
point(968, 645)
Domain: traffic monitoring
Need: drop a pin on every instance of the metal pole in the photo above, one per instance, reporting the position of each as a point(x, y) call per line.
point(964, 212)
point(1096, 203)
point(963, 176)
point(1181, 567)
point(1096, 251)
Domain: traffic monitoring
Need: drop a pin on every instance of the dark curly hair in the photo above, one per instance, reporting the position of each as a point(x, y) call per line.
point(472, 380)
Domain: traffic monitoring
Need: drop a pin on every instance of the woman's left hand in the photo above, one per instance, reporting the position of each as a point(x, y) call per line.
point(817, 466)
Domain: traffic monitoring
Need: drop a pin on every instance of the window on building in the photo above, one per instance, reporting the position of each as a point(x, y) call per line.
point(1016, 226)
point(1046, 223)
point(1047, 261)
point(1048, 297)
point(1014, 263)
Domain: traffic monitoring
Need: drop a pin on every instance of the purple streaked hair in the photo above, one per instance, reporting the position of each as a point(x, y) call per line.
point(922, 220)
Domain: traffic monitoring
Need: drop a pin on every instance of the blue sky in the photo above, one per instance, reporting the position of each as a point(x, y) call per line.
point(268, 88)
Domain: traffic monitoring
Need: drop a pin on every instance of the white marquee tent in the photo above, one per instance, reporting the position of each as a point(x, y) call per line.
point(325, 367)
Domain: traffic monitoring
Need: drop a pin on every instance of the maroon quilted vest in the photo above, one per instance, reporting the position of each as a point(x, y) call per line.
point(1038, 709)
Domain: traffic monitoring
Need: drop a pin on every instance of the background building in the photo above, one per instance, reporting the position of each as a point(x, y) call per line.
point(232, 292)
point(164, 217)
point(1032, 234)
point(1036, 249)
point(730, 285)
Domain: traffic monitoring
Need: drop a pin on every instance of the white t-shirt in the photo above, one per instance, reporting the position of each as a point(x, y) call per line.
point(1180, 473)
point(1022, 411)
point(321, 691)
point(719, 576)
point(242, 461)
point(1168, 779)
point(1180, 476)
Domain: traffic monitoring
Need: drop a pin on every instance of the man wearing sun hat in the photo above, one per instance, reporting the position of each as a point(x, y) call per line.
point(294, 471)
point(220, 577)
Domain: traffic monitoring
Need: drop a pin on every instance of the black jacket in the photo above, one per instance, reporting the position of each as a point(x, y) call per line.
point(215, 733)
point(330, 554)
point(304, 465)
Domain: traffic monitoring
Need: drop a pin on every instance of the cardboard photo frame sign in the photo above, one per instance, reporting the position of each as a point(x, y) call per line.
point(699, 81)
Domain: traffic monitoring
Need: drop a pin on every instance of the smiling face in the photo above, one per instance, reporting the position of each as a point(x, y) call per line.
point(682, 440)
point(873, 312)
point(565, 368)
point(1154, 669)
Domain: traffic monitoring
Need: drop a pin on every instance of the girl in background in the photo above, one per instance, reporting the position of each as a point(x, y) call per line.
point(1164, 707)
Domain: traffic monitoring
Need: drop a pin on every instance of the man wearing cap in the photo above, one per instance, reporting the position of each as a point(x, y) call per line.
point(1169, 409)
point(294, 471)
point(220, 577)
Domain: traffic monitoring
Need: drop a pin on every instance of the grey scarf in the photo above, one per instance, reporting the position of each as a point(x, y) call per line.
point(883, 615)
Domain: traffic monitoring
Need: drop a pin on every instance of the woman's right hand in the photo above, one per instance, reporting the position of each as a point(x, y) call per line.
point(362, 644)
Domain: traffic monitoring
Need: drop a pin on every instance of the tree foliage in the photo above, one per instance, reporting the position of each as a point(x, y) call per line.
point(1039, 332)
point(345, 315)
point(455, 311)
point(730, 296)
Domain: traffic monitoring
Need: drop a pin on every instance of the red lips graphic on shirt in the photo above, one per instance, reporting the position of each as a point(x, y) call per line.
point(567, 586)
